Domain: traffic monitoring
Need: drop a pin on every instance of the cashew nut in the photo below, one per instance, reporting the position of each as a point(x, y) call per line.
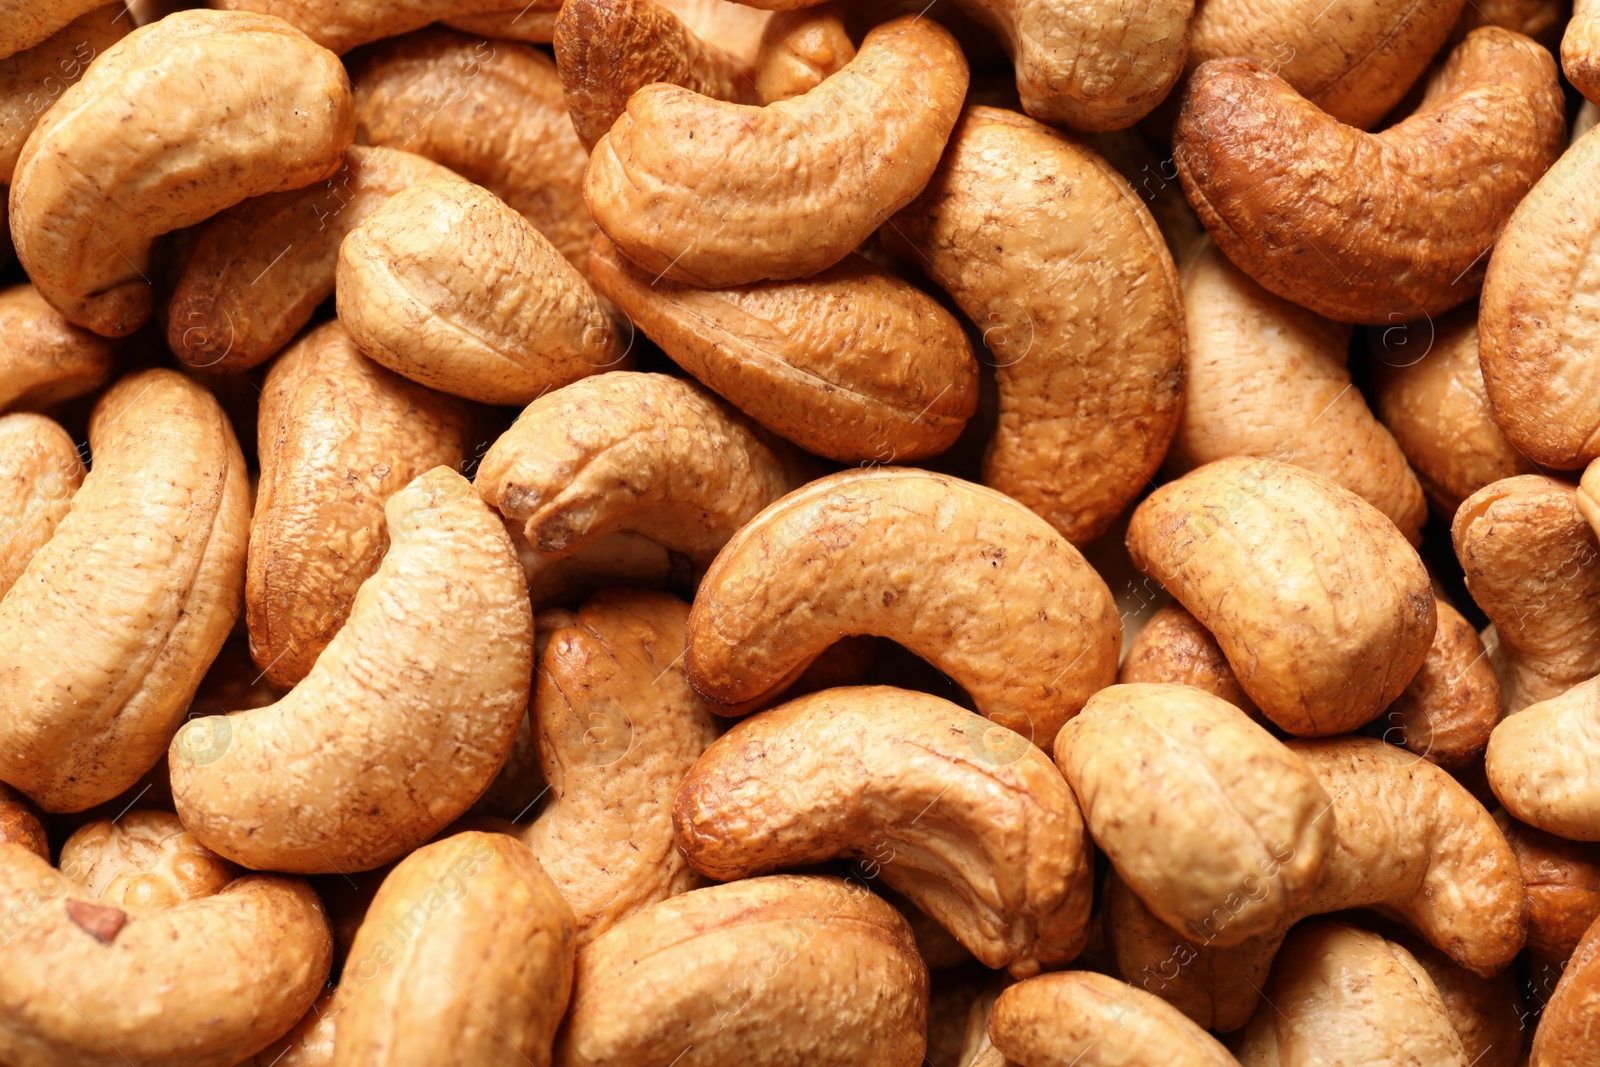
point(1565, 1037)
point(30, 81)
point(1540, 763)
point(1173, 647)
point(25, 25)
point(1452, 705)
point(47, 359)
point(39, 473)
point(1563, 883)
point(800, 49)
point(143, 859)
point(20, 825)
point(1487, 1013)
point(1580, 48)
point(533, 23)
point(340, 25)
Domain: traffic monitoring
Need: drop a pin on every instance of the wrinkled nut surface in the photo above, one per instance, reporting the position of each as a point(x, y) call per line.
point(339, 435)
point(1173, 647)
point(47, 359)
point(969, 821)
point(1377, 228)
point(1580, 48)
point(677, 985)
point(800, 49)
point(1563, 884)
point(405, 718)
point(448, 286)
point(340, 25)
point(851, 364)
point(20, 825)
point(143, 859)
point(472, 947)
point(39, 472)
point(108, 630)
point(31, 80)
point(1565, 1037)
point(1452, 705)
point(794, 186)
point(1268, 378)
point(617, 727)
point(1322, 608)
point(248, 106)
point(25, 25)
point(1541, 760)
point(1059, 263)
point(91, 984)
point(1197, 807)
point(970, 580)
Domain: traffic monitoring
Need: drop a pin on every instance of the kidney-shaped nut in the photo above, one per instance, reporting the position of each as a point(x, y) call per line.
point(973, 824)
point(30, 81)
point(206, 983)
point(1173, 647)
point(107, 632)
point(1051, 254)
point(852, 363)
point(20, 825)
point(465, 956)
point(968, 579)
point(143, 859)
point(1580, 48)
point(339, 436)
point(47, 359)
point(1562, 879)
point(800, 49)
point(1565, 1037)
point(1200, 810)
point(39, 472)
point(1379, 228)
point(1452, 705)
point(765, 972)
point(341, 25)
point(791, 188)
point(1488, 1013)
point(1323, 609)
point(23, 25)
point(405, 718)
point(175, 122)
point(1541, 763)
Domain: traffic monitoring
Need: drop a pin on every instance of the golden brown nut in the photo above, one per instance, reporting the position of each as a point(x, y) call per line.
point(968, 579)
point(852, 364)
point(39, 473)
point(143, 859)
point(31, 81)
point(969, 821)
point(109, 629)
point(1320, 605)
point(1543, 20)
point(800, 49)
point(1452, 705)
point(465, 956)
point(1488, 1013)
point(258, 271)
point(309, 1044)
point(533, 23)
point(619, 558)
point(1563, 883)
point(44, 359)
point(761, 973)
point(1541, 762)
point(1268, 378)
point(618, 728)
point(1078, 302)
point(339, 436)
point(794, 187)
point(404, 720)
point(491, 111)
point(1529, 559)
point(247, 106)
point(1201, 811)
point(448, 286)
point(1379, 228)
point(20, 825)
point(1565, 1037)
point(24, 25)
point(732, 28)
point(1580, 48)
point(1174, 647)
point(341, 25)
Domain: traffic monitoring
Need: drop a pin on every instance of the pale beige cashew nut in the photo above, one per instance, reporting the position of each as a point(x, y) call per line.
point(32, 80)
point(1488, 1013)
point(46, 358)
point(800, 49)
point(405, 719)
point(968, 579)
point(108, 631)
point(340, 25)
point(40, 470)
point(1320, 605)
point(966, 819)
point(1079, 305)
point(206, 983)
point(1540, 763)
point(1580, 48)
point(248, 106)
point(23, 24)
point(1199, 809)
point(786, 190)
point(143, 859)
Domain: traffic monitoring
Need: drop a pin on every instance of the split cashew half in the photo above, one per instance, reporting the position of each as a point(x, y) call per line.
point(39, 472)
point(1540, 763)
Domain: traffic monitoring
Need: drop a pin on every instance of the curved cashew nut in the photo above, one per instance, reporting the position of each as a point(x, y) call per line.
point(1173, 647)
point(25, 25)
point(308, 1044)
point(30, 79)
point(1488, 1013)
point(95, 985)
point(109, 629)
point(1580, 48)
point(1452, 705)
point(1563, 882)
point(1540, 763)
point(340, 25)
point(105, 172)
point(800, 49)
point(1384, 228)
point(852, 363)
point(1328, 613)
point(617, 559)
point(533, 23)
point(1078, 302)
point(48, 359)
point(20, 825)
point(991, 595)
point(39, 473)
point(143, 859)
point(405, 718)
point(1565, 1037)
point(866, 140)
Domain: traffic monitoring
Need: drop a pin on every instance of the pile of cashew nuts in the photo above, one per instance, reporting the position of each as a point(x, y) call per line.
point(680, 533)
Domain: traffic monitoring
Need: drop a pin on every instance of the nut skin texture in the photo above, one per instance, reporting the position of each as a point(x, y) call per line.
point(20, 825)
point(1489, 1014)
point(851, 364)
point(1376, 228)
point(533, 23)
point(795, 186)
point(1563, 883)
point(402, 723)
point(39, 473)
point(1535, 328)
point(1342, 995)
point(1092, 1020)
point(1322, 608)
point(491, 111)
point(970, 580)
point(207, 983)
point(642, 453)
point(143, 859)
point(473, 948)
point(109, 629)
point(26, 25)
point(259, 270)
point(340, 25)
point(1195, 804)
point(31, 80)
point(998, 857)
point(448, 286)
point(1580, 48)
point(249, 106)
point(1408, 840)
point(1173, 647)
point(800, 49)
point(1541, 760)
point(1268, 378)
point(309, 1044)
point(339, 436)
point(679, 980)
point(618, 728)
point(1046, 248)
point(47, 359)
point(1565, 1037)
point(1529, 561)
point(1452, 705)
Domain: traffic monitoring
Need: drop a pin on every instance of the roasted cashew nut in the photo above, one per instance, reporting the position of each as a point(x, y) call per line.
point(143, 859)
point(1540, 763)
point(1563, 882)
point(341, 25)
point(25, 25)
point(1487, 1013)
point(1452, 705)
point(39, 472)
point(1580, 48)
point(1565, 1037)
point(48, 359)
point(800, 49)
point(31, 80)
point(20, 825)
point(1173, 647)
point(533, 23)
